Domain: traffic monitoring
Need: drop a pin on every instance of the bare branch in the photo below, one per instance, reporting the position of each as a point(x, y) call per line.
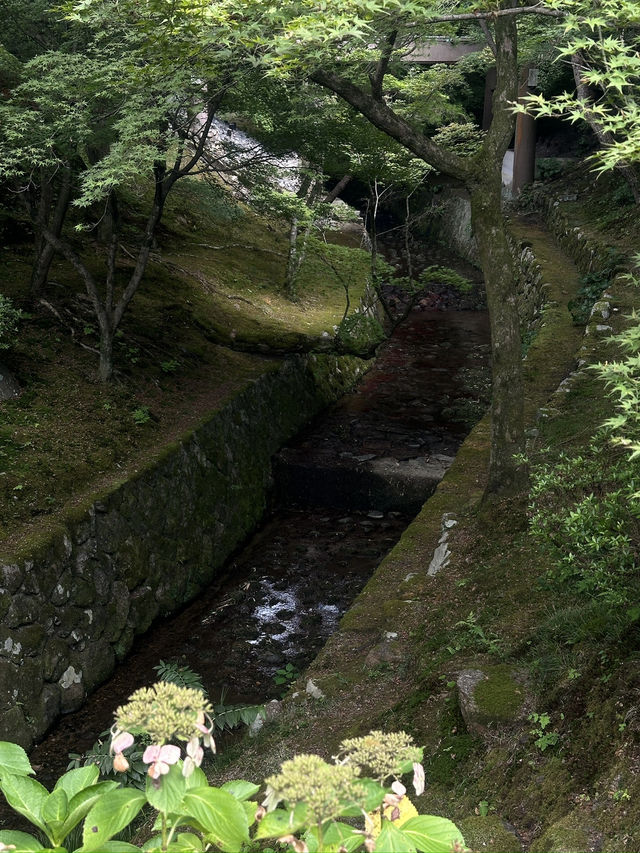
point(489, 37)
point(497, 13)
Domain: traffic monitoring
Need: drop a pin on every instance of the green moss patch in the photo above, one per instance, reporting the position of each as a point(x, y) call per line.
point(499, 696)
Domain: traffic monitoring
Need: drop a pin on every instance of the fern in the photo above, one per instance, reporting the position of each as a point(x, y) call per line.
point(182, 675)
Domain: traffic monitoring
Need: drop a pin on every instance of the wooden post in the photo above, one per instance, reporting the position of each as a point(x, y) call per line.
point(524, 155)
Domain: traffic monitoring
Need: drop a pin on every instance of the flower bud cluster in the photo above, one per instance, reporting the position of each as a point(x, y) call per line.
point(327, 789)
point(384, 756)
point(165, 712)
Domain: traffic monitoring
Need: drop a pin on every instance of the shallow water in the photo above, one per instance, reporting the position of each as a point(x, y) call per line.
point(283, 595)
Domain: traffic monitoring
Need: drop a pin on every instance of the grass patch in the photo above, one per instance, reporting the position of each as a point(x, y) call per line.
point(215, 278)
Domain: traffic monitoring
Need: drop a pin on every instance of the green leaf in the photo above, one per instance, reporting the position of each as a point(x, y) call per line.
point(13, 759)
point(223, 818)
point(118, 847)
point(76, 780)
point(54, 813)
point(336, 836)
point(198, 779)
point(167, 797)
point(21, 840)
point(432, 834)
point(82, 802)
point(26, 796)
point(240, 789)
point(374, 793)
point(282, 822)
point(250, 809)
point(109, 815)
point(187, 841)
point(393, 840)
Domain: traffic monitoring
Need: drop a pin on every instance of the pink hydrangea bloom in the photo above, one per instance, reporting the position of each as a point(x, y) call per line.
point(160, 758)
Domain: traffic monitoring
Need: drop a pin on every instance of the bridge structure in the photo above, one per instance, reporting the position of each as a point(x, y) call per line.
point(518, 168)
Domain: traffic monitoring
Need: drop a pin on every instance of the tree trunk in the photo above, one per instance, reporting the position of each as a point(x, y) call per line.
point(292, 267)
point(105, 365)
point(333, 194)
point(44, 250)
point(506, 473)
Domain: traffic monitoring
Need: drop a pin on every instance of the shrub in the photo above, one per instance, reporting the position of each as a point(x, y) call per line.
point(9, 318)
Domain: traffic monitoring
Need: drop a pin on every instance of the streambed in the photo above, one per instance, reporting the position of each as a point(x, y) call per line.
point(330, 525)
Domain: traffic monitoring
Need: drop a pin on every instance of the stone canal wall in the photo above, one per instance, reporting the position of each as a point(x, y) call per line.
point(71, 604)
point(452, 225)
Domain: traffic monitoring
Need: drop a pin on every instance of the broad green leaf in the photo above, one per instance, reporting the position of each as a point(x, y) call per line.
point(223, 818)
point(240, 789)
point(82, 802)
point(198, 779)
point(186, 841)
point(282, 822)
point(250, 809)
point(54, 808)
point(432, 834)
point(119, 847)
point(26, 796)
point(374, 793)
point(54, 813)
point(343, 836)
point(111, 813)
point(153, 843)
point(167, 797)
point(337, 836)
point(393, 840)
point(21, 840)
point(13, 759)
point(75, 780)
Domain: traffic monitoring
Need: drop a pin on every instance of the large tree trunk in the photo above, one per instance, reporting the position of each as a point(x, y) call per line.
point(506, 473)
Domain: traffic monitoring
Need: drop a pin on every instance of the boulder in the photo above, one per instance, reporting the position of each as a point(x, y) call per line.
point(9, 388)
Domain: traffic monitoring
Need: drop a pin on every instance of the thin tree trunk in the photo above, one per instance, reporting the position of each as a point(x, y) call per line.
point(292, 267)
point(333, 194)
point(407, 246)
point(105, 365)
point(506, 473)
point(44, 251)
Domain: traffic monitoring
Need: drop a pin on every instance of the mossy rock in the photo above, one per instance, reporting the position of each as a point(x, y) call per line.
point(489, 698)
point(567, 835)
point(488, 833)
point(359, 334)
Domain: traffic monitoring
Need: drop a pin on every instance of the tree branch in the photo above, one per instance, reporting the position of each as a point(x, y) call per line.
point(377, 78)
point(385, 119)
point(497, 13)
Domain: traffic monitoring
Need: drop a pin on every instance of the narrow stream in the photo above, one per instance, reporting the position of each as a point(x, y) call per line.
point(332, 521)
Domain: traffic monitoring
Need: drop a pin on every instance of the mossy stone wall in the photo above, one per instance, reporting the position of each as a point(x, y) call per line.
point(451, 224)
point(71, 604)
point(589, 253)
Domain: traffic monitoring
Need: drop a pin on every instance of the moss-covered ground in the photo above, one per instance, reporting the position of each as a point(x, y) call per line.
point(571, 783)
point(556, 764)
point(210, 316)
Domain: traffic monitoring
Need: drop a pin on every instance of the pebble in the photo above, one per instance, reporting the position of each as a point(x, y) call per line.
point(375, 513)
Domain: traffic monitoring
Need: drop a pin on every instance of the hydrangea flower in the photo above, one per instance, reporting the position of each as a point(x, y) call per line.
point(160, 758)
point(384, 755)
point(165, 712)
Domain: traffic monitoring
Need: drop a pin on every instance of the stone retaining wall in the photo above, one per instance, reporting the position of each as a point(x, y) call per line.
point(71, 604)
point(452, 222)
point(588, 253)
